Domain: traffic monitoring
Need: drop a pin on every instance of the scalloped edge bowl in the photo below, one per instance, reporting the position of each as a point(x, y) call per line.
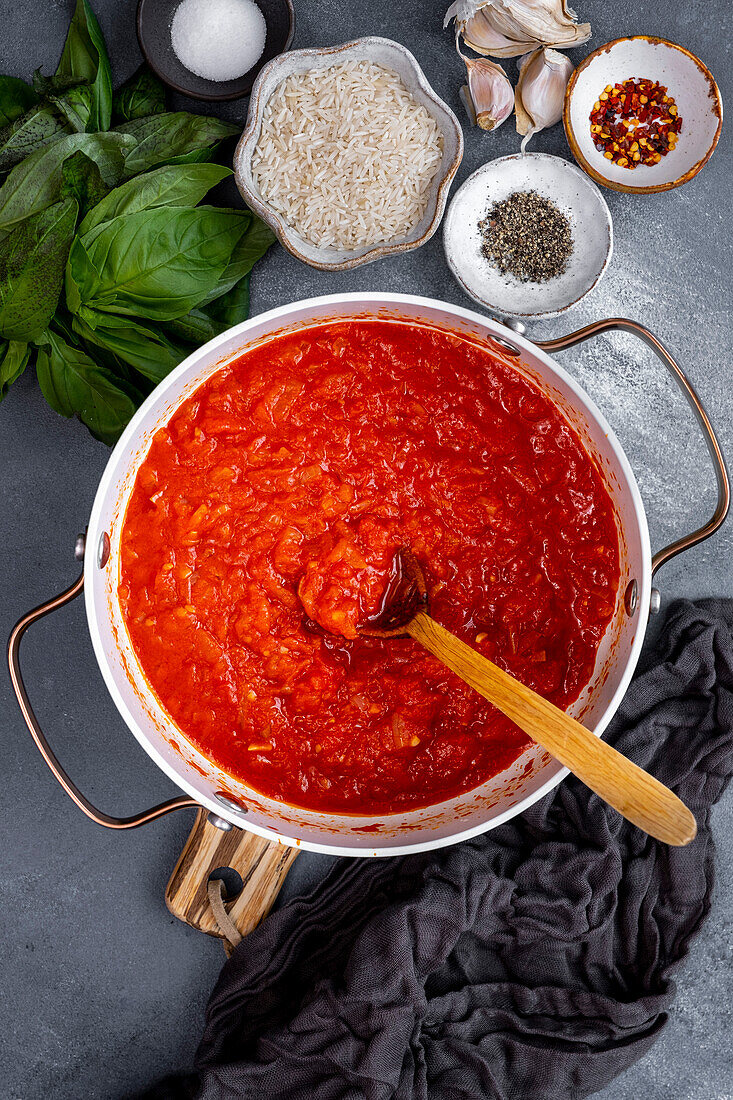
point(380, 51)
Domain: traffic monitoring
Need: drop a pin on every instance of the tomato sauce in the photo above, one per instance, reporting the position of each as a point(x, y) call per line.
point(276, 498)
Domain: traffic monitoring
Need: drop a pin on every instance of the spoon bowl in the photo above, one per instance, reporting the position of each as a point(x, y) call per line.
point(405, 595)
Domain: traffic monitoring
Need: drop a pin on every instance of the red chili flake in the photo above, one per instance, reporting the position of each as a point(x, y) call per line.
point(635, 122)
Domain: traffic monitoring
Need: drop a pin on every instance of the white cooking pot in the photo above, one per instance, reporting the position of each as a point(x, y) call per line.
point(534, 773)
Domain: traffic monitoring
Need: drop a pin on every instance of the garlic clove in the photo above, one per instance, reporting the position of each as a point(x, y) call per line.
point(509, 28)
point(465, 97)
point(481, 36)
point(462, 11)
point(540, 94)
point(488, 96)
point(547, 22)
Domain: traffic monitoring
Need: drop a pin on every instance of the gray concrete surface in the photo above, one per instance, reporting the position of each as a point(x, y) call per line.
point(102, 991)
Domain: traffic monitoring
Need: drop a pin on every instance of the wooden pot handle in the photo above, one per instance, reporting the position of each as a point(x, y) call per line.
point(262, 865)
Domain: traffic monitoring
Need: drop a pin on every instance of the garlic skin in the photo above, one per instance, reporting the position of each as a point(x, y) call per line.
point(488, 97)
point(510, 28)
point(543, 78)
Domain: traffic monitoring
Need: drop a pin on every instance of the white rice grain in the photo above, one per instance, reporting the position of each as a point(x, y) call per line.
point(346, 155)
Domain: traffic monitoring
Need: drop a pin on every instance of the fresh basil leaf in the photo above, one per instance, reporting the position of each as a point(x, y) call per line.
point(77, 107)
point(36, 182)
point(117, 366)
point(165, 138)
point(251, 247)
point(195, 156)
point(177, 185)
point(54, 85)
point(85, 56)
point(73, 98)
point(130, 380)
point(78, 264)
point(208, 321)
point(231, 308)
point(32, 131)
point(14, 356)
point(16, 97)
point(32, 262)
point(149, 352)
point(155, 264)
point(74, 385)
point(195, 327)
point(64, 325)
point(143, 94)
point(82, 180)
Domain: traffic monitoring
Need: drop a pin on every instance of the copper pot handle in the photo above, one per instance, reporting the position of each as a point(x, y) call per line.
point(622, 324)
point(213, 846)
point(181, 803)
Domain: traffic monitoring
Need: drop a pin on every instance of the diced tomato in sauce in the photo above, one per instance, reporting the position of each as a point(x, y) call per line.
point(308, 462)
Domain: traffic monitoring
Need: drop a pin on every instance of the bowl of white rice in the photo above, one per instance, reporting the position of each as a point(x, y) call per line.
point(348, 153)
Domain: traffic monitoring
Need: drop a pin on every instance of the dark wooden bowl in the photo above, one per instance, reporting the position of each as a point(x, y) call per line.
point(154, 34)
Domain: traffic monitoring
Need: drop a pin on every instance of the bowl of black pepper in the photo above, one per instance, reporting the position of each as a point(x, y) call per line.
point(528, 236)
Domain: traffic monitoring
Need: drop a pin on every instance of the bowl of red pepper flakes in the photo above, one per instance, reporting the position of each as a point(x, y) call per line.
point(642, 115)
point(635, 124)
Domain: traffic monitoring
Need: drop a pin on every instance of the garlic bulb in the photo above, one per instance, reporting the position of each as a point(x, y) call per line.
point(488, 97)
point(509, 28)
point(543, 78)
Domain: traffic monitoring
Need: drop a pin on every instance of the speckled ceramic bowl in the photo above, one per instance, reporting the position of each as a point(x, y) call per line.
point(380, 51)
point(687, 80)
point(572, 192)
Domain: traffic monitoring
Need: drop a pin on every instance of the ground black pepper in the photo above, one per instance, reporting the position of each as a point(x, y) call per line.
point(527, 236)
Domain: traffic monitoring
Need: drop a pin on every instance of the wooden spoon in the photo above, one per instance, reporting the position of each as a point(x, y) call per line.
point(636, 795)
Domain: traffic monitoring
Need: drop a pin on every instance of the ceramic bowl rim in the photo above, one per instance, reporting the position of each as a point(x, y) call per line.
point(283, 232)
point(627, 188)
point(541, 314)
point(210, 97)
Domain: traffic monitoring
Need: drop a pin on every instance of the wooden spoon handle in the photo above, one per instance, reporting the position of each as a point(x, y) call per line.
point(636, 795)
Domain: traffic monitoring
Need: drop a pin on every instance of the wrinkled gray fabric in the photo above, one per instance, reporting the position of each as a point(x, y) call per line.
point(534, 962)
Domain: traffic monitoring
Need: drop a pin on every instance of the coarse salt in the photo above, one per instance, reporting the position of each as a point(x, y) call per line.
point(218, 39)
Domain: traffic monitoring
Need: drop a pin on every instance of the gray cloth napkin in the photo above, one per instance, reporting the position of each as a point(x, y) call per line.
point(533, 962)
